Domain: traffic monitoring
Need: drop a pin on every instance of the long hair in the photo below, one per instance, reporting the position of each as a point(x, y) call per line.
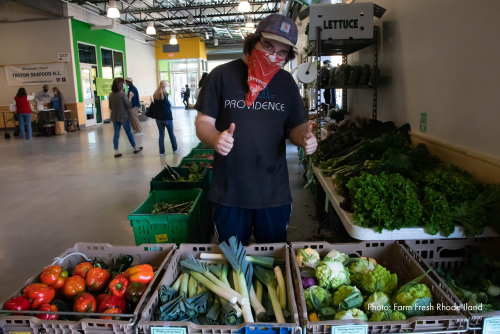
point(58, 92)
point(117, 85)
point(202, 80)
point(21, 92)
point(252, 40)
point(161, 92)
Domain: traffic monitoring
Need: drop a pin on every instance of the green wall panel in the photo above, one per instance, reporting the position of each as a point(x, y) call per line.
point(99, 38)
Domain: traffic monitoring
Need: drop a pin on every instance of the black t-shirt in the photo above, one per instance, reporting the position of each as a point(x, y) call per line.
point(254, 174)
point(187, 93)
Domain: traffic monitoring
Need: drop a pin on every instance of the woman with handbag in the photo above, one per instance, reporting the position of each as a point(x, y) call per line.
point(120, 107)
point(23, 112)
point(162, 112)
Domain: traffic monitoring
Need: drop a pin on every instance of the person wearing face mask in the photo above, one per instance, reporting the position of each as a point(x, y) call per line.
point(246, 110)
point(58, 104)
point(133, 95)
point(43, 96)
point(163, 115)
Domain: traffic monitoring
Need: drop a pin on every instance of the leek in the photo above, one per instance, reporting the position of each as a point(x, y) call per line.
point(192, 287)
point(264, 261)
point(177, 283)
point(236, 256)
point(212, 287)
point(259, 289)
point(220, 271)
point(268, 278)
point(184, 283)
point(259, 310)
point(281, 286)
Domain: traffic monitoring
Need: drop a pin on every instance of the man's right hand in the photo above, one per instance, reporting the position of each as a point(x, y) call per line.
point(225, 141)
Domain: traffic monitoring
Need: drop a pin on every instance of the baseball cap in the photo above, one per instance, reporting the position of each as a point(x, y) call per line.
point(129, 79)
point(327, 62)
point(279, 28)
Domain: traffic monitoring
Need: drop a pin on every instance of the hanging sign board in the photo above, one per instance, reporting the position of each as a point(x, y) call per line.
point(103, 86)
point(62, 57)
point(36, 74)
point(342, 21)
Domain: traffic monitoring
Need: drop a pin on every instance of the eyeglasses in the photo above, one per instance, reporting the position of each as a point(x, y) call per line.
point(270, 50)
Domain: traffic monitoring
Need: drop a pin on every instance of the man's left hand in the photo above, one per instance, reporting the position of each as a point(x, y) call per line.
point(309, 141)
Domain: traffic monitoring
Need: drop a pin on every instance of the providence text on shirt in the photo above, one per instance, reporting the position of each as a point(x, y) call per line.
point(240, 104)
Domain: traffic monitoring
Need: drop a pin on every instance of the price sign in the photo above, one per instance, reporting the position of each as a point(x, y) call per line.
point(350, 329)
point(491, 325)
point(168, 330)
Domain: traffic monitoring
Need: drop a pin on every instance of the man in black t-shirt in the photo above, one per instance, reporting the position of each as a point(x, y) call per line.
point(250, 183)
point(187, 95)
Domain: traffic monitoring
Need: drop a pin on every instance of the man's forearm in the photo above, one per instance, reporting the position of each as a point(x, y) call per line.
point(296, 135)
point(207, 133)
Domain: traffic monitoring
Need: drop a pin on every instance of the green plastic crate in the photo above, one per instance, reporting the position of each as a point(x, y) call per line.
point(158, 184)
point(188, 160)
point(167, 227)
point(198, 151)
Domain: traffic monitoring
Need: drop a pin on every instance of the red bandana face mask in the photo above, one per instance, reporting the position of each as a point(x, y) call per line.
point(261, 69)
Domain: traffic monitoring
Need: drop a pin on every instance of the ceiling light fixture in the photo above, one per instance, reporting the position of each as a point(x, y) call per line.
point(173, 40)
point(190, 18)
point(207, 36)
point(113, 12)
point(249, 23)
point(151, 29)
point(244, 6)
point(216, 41)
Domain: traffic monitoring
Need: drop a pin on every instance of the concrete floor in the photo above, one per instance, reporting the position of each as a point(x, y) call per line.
point(61, 190)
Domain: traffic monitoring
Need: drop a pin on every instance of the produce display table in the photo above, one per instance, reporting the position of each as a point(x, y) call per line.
point(364, 233)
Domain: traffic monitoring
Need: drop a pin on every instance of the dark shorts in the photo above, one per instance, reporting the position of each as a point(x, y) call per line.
point(268, 224)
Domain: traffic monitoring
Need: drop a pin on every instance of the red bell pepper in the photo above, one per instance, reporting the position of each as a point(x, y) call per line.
point(142, 273)
point(109, 301)
point(73, 286)
point(19, 303)
point(85, 302)
point(111, 311)
point(97, 279)
point(118, 286)
point(54, 276)
point(82, 269)
point(39, 294)
point(50, 308)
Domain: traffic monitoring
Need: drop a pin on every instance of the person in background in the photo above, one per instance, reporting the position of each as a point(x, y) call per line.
point(200, 84)
point(324, 73)
point(59, 105)
point(187, 94)
point(43, 95)
point(120, 115)
point(162, 107)
point(23, 112)
point(133, 95)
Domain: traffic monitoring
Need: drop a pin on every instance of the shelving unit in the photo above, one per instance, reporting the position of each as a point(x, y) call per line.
point(343, 47)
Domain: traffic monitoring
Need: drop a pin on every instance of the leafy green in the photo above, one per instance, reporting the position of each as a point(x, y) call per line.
point(316, 298)
point(472, 215)
point(347, 297)
point(385, 201)
point(437, 215)
point(492, 201)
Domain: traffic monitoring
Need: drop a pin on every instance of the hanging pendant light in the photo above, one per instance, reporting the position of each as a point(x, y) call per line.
point(173, 40)
point(113, 12)
point(207, 36)
point(216, 41)
point(249, 23)
point(151, 29)
point(244, 6)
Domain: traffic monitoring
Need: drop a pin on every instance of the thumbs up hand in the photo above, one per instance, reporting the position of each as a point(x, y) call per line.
point(225, 141)
point(309, 141)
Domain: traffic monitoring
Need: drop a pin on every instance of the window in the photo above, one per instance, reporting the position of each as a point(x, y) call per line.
point(86, 54)
point(112, 64)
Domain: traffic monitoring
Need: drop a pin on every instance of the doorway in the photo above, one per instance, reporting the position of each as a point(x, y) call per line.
point(179, 86)
point(88, 94)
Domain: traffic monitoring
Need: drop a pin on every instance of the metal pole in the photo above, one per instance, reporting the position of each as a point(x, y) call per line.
point(375, 70)
point(318, 81)
point(344, 91)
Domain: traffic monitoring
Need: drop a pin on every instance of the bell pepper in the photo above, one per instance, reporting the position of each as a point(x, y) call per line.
point(141, 274)
point(111, 311)
point(97, 279)
point(19, 303)
point(73, 286)
point(118, 286)
point(82, 269)
point(39, 294)
point(105, 302)
point(85, 303)
point(135, 291)
point(50, 308)
point(54, 276)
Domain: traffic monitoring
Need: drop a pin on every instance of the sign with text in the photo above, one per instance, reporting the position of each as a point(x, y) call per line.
point(350, 329)
point(168, 330)
point(103, 86)
point(36, 74)
point(491, 325)
point(342, 21)
point(63, 57)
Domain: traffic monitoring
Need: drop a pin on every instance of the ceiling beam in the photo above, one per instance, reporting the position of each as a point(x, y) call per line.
point(197, 17)
point(166, 9)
